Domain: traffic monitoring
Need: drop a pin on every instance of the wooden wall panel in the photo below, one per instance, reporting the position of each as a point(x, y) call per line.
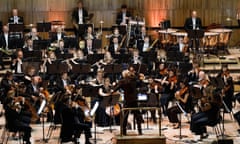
point(154, 11)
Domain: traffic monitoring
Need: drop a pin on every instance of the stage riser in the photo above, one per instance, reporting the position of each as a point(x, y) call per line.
point(141, 140)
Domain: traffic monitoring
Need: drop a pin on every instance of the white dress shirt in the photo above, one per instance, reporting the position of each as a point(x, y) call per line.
point(194, 23)
point(80, 15)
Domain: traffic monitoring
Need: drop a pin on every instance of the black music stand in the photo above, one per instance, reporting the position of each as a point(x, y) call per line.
point(195, 36)
point(33, 56)
point(70, 42)
point(180, 136)
point(64, 56)
point(122, 29)
point(140, 68)
point(81, 68)
point(122, 58)
point(16, 27)
point(44, 26)
point(110, 101)
point(41, 44)
point(93, 58)
point(15, 43)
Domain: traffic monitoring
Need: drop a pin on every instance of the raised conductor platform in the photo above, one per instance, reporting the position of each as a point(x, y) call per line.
point(142, 139)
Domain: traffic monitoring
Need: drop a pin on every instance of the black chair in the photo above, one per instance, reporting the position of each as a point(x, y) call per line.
point(215, 124)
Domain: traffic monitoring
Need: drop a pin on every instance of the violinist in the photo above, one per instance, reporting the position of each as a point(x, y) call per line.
point(193, 74)
point(227, 87)
point(169, 84)
point(73, 123)
point(61, 48)
point(183, 98)
point(7, 83)
point(136, 58)
point(209, 108)
point(63, 83)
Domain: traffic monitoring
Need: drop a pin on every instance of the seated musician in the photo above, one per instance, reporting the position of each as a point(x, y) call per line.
point(15, 19)
point(58, 35)
point(4, 37)
point(144, 46)
point(34, 92)
point(227, 87)
point(18, 117)
point(184, 101)
point(16, 66)
point(193, 74)
point(169, 85)
point(209, 109)
point(136, 58)
point(33, 35)
point(89, 33)
point(63, 83)
point(78, 57)
point(74, 123)
point(28, 46)
point(114, 46)
point(7, 83)
point(31, 71)
point(89, 49)
point(61, 48)
point(114, 34)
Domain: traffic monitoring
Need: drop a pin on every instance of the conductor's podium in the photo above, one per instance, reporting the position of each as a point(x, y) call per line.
point(141, 139)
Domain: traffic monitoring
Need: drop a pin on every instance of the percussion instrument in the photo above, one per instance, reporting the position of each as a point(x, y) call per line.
point(224, 35)
point(165, 35)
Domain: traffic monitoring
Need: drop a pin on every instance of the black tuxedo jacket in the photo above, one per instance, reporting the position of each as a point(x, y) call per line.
point(189, 24)
point(54, 37)
point(11, 20)
point(120, 17)
point(3, 43)
point(75, 16)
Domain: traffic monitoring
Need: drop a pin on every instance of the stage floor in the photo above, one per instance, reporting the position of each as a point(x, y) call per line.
point(108, 137)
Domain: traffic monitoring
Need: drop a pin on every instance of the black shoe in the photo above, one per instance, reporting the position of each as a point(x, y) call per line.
point(124, 132)
point(140, 132)
point(204, 136)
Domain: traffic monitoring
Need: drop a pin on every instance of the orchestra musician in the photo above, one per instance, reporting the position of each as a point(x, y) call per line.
point(16, 66)
point(89, 34)
point(193, 23)
point(79, 16)
point(31, 71)
point(61, 48)
point(193, 74)
point(129, 85)
point(58, 35)
point(123, 16)
point(15, 19)
point(89, 49)
point(63, 83)
point(4, 37)
point(227, 87)
point(28, 46)
point(114, 46)
point(184, 100)
point(209, 108)
point(114, 34)
point(136, 58)
point(34, 35)
point(7, 83)
point(169, 85)
point(73, 122)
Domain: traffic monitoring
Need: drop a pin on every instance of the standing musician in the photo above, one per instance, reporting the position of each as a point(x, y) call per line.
point(136, 58)
point(227, 87)
point(123, 16)
point(15, 19)
point(129, 85)
point(79, 16)
point(184, 100)
point(17, 65)
point(209, 109)
point(193, 23)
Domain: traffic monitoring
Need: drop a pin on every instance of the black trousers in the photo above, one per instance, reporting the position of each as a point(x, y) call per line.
point(172, 114)
point(137, 115)
point(198, 123)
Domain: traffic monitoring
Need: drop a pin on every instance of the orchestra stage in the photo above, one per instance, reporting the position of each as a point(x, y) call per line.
point(150, 133)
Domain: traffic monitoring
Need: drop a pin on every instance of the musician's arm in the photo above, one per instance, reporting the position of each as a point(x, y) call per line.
point(185, 98)
point(101, 93)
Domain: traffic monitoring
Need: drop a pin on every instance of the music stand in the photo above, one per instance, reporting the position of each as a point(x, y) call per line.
point(195, 36)
point(81, 68)
point(93, 58)
point(16, 27)
point(44, 26)
point(35, 55)
point(140, 68)
point(70, 42)
point(122, 58)
point(40, 44)
point(15, 43)
point(64, 56)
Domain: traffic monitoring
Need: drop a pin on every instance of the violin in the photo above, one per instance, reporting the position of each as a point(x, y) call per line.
point(163, 72)
point(182, 91)
point(172, 79)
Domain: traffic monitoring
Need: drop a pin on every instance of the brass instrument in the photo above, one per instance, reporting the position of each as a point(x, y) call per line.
point(7, 52)
point(151, 46)
point(81, 44)
point(120, 45)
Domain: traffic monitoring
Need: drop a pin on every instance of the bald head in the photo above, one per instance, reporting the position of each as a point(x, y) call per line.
point(194, 14)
